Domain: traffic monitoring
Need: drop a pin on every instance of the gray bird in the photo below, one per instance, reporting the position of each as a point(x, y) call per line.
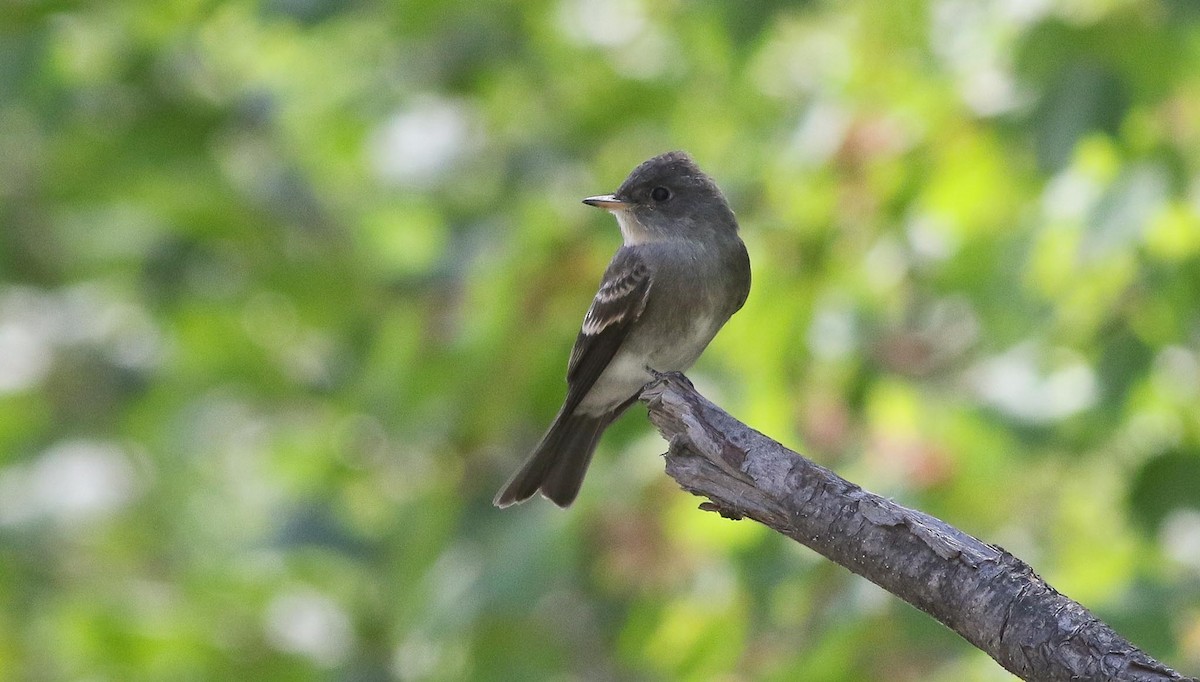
point(680, 274)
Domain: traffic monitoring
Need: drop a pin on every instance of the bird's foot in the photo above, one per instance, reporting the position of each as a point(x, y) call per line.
point(666, 376)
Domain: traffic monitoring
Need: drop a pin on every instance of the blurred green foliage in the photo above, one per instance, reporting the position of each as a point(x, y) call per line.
point(287, 289)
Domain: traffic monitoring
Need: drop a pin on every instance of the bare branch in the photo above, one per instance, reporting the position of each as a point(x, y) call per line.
point(988, 596)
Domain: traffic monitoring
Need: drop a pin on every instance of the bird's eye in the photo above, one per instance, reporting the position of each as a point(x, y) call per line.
point(660, 194)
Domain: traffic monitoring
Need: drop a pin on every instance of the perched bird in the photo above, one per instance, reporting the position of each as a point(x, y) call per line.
point(680, 274)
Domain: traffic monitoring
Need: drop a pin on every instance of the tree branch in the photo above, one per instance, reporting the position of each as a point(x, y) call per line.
point(988, 596)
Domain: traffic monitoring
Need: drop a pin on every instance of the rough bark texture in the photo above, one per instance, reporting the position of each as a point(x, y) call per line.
point(988, 596)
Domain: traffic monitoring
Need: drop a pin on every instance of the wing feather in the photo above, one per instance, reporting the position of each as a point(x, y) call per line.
point(618, 304)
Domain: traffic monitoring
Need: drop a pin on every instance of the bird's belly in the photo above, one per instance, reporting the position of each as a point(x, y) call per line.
point(627, 373)
point(682, 350)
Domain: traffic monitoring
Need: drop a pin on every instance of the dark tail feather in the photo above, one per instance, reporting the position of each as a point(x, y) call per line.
point(558, 463)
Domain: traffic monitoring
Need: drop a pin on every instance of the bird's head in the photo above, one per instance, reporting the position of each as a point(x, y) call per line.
point(668, 197)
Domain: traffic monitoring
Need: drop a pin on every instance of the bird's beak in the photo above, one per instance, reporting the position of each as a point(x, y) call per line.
point(607, 202)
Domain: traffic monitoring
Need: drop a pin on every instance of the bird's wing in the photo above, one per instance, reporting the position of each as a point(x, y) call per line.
point(618, 304)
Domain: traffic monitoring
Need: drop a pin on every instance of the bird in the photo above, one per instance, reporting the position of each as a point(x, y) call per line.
point(680, 273)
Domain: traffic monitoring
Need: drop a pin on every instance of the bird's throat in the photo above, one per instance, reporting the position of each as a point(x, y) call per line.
point(632, 230)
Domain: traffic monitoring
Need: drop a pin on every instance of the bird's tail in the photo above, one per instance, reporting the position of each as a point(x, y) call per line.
point(558, 463)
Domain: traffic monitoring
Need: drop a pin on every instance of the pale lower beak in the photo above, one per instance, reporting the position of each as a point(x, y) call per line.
point(607, 202)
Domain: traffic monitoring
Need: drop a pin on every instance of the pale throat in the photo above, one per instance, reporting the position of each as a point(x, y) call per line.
point(632, 230)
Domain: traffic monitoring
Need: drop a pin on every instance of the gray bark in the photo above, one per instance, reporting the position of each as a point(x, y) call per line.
point(991, 598)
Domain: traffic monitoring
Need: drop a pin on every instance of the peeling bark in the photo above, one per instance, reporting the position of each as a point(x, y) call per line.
point(991, 598)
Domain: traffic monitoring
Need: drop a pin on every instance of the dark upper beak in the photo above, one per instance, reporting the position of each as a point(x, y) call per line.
point(607, 202)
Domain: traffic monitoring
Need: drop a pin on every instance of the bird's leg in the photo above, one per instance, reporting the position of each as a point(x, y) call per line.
point(665, 376)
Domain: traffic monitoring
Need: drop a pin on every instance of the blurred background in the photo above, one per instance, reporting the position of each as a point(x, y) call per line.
point(287, 290)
